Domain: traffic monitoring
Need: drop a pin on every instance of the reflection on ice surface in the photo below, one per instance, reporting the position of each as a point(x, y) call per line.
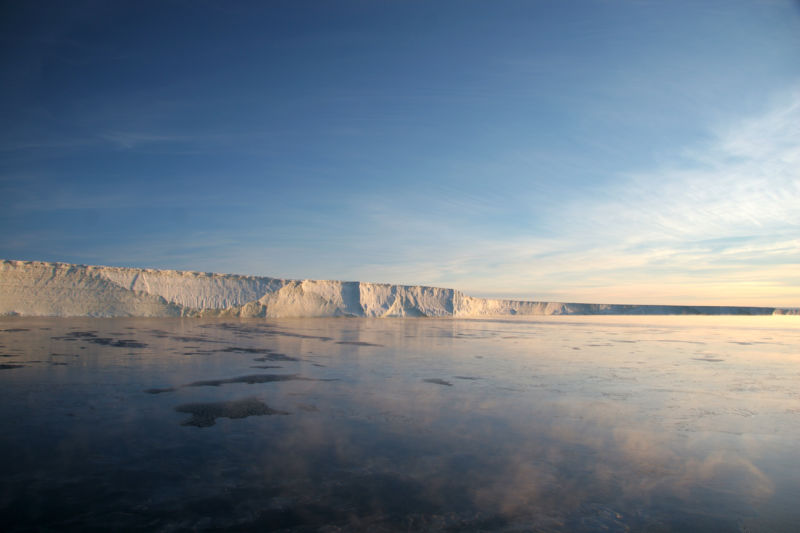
point(545, 424)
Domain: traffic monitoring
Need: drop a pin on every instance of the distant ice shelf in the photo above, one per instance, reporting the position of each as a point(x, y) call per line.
point(36, 288)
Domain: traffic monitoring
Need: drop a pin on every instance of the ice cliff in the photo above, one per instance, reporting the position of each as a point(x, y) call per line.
point(34, 288)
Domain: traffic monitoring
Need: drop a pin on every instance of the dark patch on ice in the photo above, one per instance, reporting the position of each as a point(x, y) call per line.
point(708, 359)
point(193, 339)
point(206, 414)
point(159, 391)
point(251, 379)
point(121, 343)
point(309, 408)
point(471, 378)
point(300, 336)
point(241, 349)
point(266, 366)
point(91, 336)
point(438, 381)
point(275, 357)
point(14, 330)
point(9, 366)
point(58, 364)
point(9, 355)
point(358, 343)
point(266, 330)
point(196, 350)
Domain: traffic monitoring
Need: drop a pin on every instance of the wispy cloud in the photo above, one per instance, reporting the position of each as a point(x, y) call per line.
point(726, 219)
point(128, 139)
point(721, 225)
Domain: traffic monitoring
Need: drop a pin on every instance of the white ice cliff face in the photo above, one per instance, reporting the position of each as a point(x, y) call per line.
point(58, 289)
point(34, 288)
point(352, 298)
point(193, 290)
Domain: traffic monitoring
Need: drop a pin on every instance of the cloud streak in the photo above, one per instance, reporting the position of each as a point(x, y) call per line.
point(726, 219)
point(721, 227)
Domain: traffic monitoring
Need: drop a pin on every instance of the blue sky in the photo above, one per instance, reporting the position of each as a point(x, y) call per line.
point(603, 151)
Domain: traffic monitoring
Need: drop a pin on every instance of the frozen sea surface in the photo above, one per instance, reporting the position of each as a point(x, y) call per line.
point(536, 424)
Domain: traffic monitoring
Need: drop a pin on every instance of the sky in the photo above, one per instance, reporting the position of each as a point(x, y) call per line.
point(589, 151)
